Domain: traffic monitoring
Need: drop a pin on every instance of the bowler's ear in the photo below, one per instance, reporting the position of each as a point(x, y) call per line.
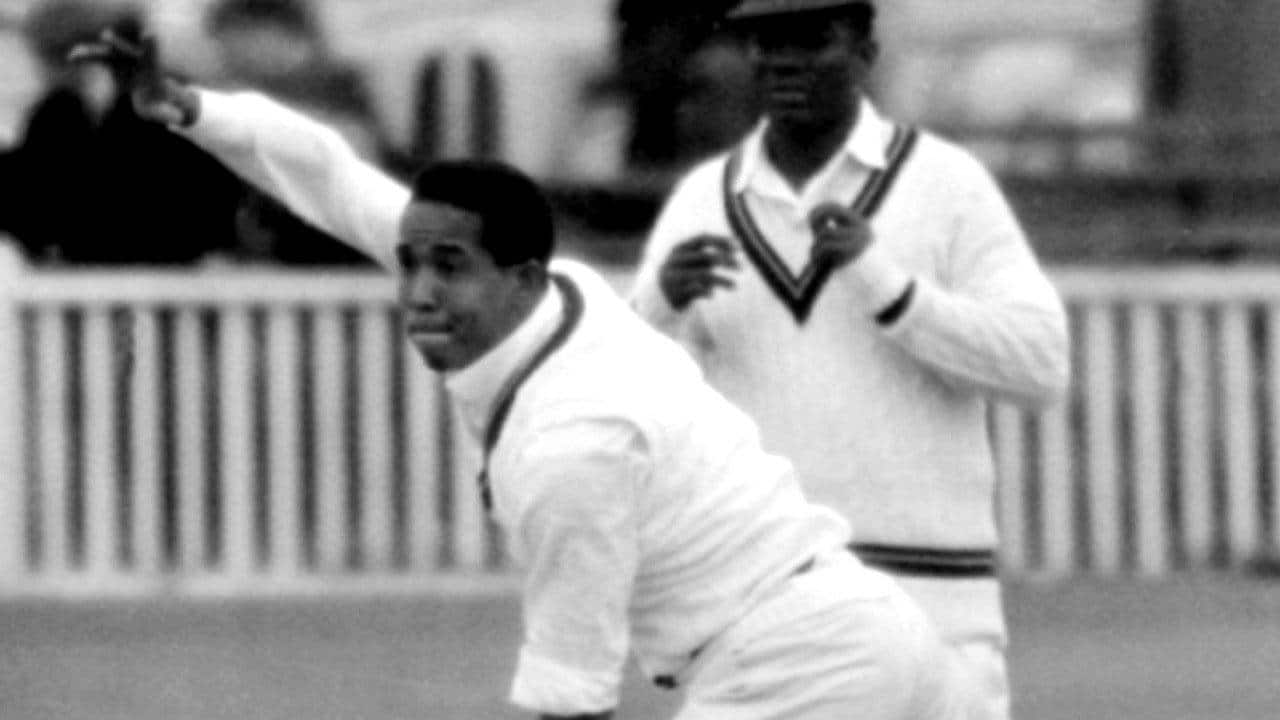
point(532, 275)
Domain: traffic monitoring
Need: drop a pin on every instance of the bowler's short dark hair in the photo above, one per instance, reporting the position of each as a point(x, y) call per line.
point(516, 223)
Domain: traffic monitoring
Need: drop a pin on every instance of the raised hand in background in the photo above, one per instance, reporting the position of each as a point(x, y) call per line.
point(155, 95)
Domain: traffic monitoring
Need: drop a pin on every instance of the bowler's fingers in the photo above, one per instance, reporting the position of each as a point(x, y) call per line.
point(112, 48)
point(91, 52)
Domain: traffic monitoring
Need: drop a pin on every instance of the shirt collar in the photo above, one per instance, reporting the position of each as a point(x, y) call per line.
point(475, 387)
point(865, 146)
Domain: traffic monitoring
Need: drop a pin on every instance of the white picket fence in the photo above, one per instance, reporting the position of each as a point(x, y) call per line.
point(1167, 455)
point(227, 431)
point(251, 431)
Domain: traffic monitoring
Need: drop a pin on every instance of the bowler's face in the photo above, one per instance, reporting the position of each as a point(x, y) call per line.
point(457, 303)
point(810, 71)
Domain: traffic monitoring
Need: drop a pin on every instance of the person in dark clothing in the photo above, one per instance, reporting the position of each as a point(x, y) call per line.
point(664, 49)
point(89, 182)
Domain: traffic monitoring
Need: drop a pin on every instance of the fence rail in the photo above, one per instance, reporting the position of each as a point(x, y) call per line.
point(251, 431)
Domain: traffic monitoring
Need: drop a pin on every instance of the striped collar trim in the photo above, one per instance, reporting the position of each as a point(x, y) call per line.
point(865, 146)
point(799, 294)
point(506, 397)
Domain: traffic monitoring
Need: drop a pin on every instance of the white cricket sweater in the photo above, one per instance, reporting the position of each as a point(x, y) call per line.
point(888, 424)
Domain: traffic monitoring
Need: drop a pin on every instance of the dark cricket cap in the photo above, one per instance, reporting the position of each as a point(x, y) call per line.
point(752, 9)
point(298, 15)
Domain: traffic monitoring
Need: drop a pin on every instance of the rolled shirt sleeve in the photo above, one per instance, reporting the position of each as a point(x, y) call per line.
point(574, 516)
point(547, 686)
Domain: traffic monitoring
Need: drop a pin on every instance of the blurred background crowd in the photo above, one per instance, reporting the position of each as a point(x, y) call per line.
point(1122, 129)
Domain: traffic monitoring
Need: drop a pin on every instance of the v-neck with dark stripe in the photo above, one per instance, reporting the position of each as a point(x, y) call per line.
point(800, 294)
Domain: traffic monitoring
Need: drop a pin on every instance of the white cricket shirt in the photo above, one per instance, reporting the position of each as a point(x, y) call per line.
point(639, 500)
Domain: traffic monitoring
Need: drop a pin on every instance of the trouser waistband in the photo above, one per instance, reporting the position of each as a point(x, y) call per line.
point(927, 561)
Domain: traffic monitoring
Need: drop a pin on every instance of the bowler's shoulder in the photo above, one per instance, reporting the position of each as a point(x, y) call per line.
point(596, 283)
point(613, 353)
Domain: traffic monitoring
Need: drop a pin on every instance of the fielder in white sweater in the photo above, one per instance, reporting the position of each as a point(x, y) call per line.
point(885, 419)
point(898, 409)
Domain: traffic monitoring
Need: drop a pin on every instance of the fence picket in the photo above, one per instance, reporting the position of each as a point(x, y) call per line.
point(1194, 440)
point(145, 507)
point(53, 456)
point(192, 462)
point(1102, 448)
point(1148, 463)
point(284, 445)
point(1240, 455)
point(236, 436)
point(1273, 422)
point(377, 421)
point(329, 390)
point(1011, 494)
point(1057, 490)
point(426, 471)
point(14, 471)
point(100, 479)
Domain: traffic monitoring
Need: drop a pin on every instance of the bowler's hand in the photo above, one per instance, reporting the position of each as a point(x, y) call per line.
point(839, 236)
point(689, 272)
point(155, 96)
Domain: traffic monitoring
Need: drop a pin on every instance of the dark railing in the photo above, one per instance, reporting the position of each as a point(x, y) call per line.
point(1200, 188)
point(1196, 148)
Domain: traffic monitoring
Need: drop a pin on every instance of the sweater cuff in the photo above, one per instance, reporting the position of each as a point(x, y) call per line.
point(219, 120)
point(545, 686)
point(877, 281)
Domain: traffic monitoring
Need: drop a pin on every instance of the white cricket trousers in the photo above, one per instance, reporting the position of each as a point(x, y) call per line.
point(967, 614)
point(839, 642)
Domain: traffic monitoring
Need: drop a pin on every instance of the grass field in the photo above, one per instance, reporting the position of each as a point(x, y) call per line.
point(1193, 648)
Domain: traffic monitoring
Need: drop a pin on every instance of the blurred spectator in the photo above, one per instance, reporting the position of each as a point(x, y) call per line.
point(681, 77)
point(89, 181)
point(717, 104)
point(278, 47)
